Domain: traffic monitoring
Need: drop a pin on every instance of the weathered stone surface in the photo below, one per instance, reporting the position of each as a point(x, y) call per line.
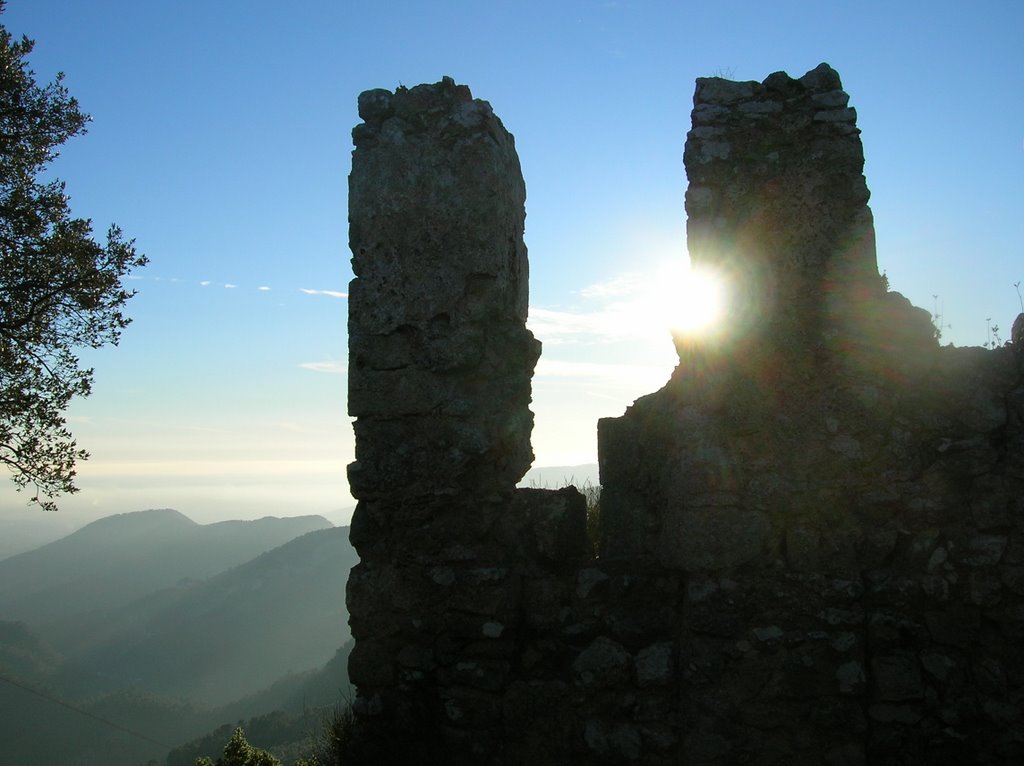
point(439, 381)
point(555, 523)
point(616, 740)
point(436, 210)
point(602, 664)
point(980, 550)
point(897, 677)
point(827, 434)
point(655, 665)
point(712, 539)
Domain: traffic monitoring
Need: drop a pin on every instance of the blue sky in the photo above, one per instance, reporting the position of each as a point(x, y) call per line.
point(220, 141)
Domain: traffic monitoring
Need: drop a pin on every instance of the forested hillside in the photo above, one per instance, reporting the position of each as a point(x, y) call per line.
point(115, 560)
point(126, 679)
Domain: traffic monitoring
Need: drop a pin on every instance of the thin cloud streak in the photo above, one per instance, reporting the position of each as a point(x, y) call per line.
point(550, 325)
point(649, 377)
point(625, 284)
point(328, 293)
point(609, 324)
point(335, 368)
point(612, 307)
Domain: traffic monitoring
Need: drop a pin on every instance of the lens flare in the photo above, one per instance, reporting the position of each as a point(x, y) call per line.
point(701, 303)
point(688, 301)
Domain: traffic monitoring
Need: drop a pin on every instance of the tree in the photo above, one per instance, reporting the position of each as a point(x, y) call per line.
point(238, 752)
point(60, 290)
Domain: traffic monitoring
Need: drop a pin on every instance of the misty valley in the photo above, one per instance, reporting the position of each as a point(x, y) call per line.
point(141, 632)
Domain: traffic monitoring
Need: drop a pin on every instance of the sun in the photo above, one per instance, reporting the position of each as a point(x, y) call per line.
point(689, 301)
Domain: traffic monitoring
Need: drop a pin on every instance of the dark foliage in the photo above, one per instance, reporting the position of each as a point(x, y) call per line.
point(60, 290)
point(238, 751)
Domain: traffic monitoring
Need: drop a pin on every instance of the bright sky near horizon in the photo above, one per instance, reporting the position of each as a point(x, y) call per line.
point(220, 141)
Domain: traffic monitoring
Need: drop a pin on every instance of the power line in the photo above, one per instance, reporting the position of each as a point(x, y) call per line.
point(86, 713)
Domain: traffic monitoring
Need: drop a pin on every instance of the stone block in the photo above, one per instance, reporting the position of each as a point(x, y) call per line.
point(802, 549)
point(718, 90)
point(979, 550)
point(896, 677)
point(655, 665)
point(954, 625)
point(604, 663)
point(620, 741)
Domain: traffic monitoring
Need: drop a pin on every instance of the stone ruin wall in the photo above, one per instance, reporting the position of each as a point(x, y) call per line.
point(813, 535)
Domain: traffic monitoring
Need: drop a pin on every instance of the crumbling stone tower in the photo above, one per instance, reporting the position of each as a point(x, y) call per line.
point(439, 380)
point(437, 323)
point(778, 200)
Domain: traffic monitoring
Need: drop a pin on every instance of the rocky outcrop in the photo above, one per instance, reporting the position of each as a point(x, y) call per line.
point(812, 537)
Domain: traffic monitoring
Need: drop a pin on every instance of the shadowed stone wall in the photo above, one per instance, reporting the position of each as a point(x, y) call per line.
point(841, 498)
point(813, 535)
point(438, 307)
point(440, 362)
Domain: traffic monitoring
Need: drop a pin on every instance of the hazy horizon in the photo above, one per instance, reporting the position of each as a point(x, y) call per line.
point(27, 527)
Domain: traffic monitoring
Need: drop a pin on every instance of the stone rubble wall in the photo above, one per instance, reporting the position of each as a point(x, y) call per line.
point(440, 363)
point(812, 537)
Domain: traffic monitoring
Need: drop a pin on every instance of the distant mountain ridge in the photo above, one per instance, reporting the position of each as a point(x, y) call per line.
point(224, 638)
point(20, 532)
point(115, 560)
point(253, 636)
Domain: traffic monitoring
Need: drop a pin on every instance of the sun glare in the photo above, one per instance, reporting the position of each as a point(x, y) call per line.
point(689, 301)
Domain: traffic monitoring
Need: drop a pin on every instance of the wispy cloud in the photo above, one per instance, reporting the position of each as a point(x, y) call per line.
point(609, 311)
point(610, 323)
point(335, 368)
point(636, 306)
point(554, 326)
point(554, 368)
point(328, 293)
point(264, 288)
point(643, 377)
point(624, 284)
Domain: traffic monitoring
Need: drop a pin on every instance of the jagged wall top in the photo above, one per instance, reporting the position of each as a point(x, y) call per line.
point(778, 200)
point(440, 145)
